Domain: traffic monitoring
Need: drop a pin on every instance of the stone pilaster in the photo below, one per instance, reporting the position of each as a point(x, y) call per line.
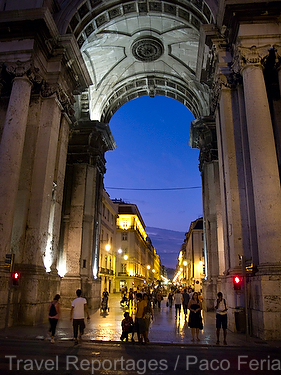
point(82, 209)
point(203, 136)
point(264, 166)
point(11, 149)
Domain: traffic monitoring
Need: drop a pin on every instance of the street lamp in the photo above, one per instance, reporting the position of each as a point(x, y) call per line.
point(107, 247)
point(120, 251)
point(126, 257)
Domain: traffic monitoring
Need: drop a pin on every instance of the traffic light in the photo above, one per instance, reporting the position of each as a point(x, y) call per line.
point(9, 260)
point(237, 281)
point(15, 278)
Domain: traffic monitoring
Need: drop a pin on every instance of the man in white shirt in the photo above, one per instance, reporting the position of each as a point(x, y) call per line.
point(221, 317)
point(78, 309)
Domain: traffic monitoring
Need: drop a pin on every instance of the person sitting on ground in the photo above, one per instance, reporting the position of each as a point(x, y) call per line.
point(221, 317)
point(127, 327)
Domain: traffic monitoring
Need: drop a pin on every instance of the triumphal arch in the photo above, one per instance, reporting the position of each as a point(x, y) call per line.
point(66, 66)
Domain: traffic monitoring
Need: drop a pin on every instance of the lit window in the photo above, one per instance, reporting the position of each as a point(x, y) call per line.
point(125, 224)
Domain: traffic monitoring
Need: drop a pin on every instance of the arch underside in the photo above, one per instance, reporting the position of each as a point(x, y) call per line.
point(137, 48)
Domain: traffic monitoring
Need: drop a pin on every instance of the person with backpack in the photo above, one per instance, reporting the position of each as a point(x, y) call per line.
point(54, 315)
point(221, 317)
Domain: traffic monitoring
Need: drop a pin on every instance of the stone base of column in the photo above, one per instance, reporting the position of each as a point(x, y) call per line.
point(265, 302)
point(209, 291)
point(91, 290)
point(28, 302)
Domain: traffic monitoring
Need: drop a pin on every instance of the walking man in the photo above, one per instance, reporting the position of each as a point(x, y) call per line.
point(77, 312)
point(221, 317)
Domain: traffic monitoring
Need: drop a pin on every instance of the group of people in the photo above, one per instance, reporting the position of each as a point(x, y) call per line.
point(77, 315)
point(144, 314)
point(143, 318)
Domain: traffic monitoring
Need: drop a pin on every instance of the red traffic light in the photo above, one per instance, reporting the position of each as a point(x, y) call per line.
point(15, 278)
point(237, 280)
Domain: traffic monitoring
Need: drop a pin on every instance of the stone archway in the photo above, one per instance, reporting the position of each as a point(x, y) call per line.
point(140, 48)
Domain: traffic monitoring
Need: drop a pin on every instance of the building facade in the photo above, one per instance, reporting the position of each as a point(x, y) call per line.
point(137, 263)
point(191, 260)
point(107, 256)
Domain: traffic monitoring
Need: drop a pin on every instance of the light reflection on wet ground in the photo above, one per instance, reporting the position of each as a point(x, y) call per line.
point(164, 328)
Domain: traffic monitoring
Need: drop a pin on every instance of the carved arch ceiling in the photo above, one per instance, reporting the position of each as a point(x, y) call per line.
point(138, 48)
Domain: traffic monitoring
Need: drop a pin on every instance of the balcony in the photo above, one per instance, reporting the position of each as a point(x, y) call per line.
point(122, 274)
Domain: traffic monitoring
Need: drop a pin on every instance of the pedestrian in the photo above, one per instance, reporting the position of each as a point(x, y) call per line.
point(185, 300)
point(77, 313)
point(178, 301)
point(221, 317)
point(170, 298)
point(159, 298)
point(195, 318)
point(147, 316)
point(127, 327)
point(139, 321)
point(104, 301)
point(54, 315)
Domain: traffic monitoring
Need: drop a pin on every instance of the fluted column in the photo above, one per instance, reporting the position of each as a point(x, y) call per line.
point(11, 149)
point(38, 248)
point(264, 166)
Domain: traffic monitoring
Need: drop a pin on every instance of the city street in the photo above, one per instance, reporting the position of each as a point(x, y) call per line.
point(170, 350)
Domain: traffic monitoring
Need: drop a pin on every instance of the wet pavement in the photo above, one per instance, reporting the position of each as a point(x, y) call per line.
point(164, 329)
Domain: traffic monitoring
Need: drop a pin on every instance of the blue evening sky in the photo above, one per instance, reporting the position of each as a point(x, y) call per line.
point(153, 153)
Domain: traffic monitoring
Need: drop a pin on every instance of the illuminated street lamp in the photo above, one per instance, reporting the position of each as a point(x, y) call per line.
point(148, 267)
point(126, 257)
point(107, 247)
point(184, 263)
point(120, 251)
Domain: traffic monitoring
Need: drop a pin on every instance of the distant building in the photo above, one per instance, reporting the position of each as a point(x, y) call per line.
point(107, 244)
point(191, 261)
point(137, 263)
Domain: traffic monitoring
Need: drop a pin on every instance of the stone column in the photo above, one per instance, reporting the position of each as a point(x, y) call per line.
point(82, 209)
point(11, 150)
point(233, 175)
point(264, 166)
point(38, 250)
point(203, 136)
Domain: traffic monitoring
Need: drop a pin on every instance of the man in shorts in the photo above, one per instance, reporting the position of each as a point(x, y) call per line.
point(221, 317)
point(78, 309)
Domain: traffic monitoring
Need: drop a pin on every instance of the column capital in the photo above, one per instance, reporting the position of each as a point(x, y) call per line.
point(249, 56)
point(203, 136)
point(65, 100)
point(223, 81)
point(277, 49)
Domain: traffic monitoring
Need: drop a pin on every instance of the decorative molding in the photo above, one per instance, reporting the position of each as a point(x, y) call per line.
point(147, 49)
point(245, 56)
point(277, 50)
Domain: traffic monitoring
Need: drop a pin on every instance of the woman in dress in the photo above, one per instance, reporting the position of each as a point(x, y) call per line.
point(195, 318)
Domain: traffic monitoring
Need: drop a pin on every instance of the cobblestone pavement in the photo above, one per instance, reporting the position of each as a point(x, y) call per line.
point(165, 329)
